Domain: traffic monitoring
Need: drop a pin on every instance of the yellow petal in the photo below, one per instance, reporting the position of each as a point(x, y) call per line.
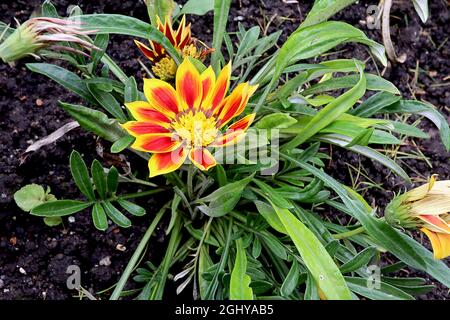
point(440, 243)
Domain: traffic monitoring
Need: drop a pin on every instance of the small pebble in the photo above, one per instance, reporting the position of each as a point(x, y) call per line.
point(121, 247)
point(22, 270)
point(39, 102)
point(106, 261)
point(71, 219)
point(13, 241)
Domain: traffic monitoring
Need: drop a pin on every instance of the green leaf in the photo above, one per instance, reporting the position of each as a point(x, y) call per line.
point(274, 245)
point(112, 180)
point(322, 10)
point(161, 9)
point(52, 221)
point(316, 258)
point(426, 110)
point(342, 141)
point(99, 217)
point(362, 139)
point(49, 10)
point(276, 121)
point(101, 41)
point(122, 144)
point(375, 103)
point(270, 215)
point(221, 9)
point(59, 208)
point(116, 216)
point(359, 261)
point(95, 121)
point(81, 175)
point(67, 79)
point(421, 7)
point(132, 208)
point(131, 92)
point(399, 244)
point(31, 196)
point(384, 292)
point(198, 7)
point(99, 178)
point(120, 24)
point(240, 282)
point(224, 199)
point(108, 102)
point(329, 113)
point(291, 281)
point(271, 194)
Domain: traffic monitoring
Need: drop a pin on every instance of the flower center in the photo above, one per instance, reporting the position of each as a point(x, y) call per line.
point(195, 128)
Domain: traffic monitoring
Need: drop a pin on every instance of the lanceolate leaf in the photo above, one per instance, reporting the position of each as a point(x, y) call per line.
point(66, 78)
point(198, 7)
point(95, 121)
point(108, 102)
point(99, 178)
point(59, 208)
point(221, 8)
point(322, 267)
point(322, 10)
point(240, 281)
point(81, 175)
point(115, 215)
point(99, 217)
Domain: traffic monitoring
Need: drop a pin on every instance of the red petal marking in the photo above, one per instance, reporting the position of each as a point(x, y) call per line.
point(221, 87)
point(235, 103)
point(180, 30)
point(208, 81)
point(145, 50)
point(202, 158)
point(243, 123)
point(437, 222)
point(136, 128)
point(162, 96)
point(228, 139)
point(156, 143)
point(189, 85)
point(143, 111)
point(168, 32)
point(161, 163)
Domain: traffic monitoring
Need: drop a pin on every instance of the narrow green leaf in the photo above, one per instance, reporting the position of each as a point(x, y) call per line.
point(49, 10)
point(359, 261)
point(59, 208)
point(240, 281)
point(159, 8)
point(81, 175)
point(322, 267)
point(322, 10)
point(116, 216)
point(132, 208)
point(67, 79)
point(101, 42)
point(198, 7)
point(270, 215)
point(362, 139)
point(291, 281)
point(271, 194)
point(95, 121)
point(99, 178)
point(221, 9)
point(131, 91)
point(122, 144)
point(99, 217)
point(108, 102)
point(276, 121)
point(384, 292)
point(112, 180)
point(375, 103)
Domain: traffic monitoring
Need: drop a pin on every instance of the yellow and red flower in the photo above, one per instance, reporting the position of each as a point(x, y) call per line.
point(426, 207)
point(164, 67)
point(182, 122)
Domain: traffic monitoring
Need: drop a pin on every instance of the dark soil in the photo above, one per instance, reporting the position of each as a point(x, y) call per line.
point(44, 253)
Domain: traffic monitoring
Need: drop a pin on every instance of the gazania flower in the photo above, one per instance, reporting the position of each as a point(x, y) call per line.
point(164, 67)
point(182, 122)
point(43, 32)
point(426, 207)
